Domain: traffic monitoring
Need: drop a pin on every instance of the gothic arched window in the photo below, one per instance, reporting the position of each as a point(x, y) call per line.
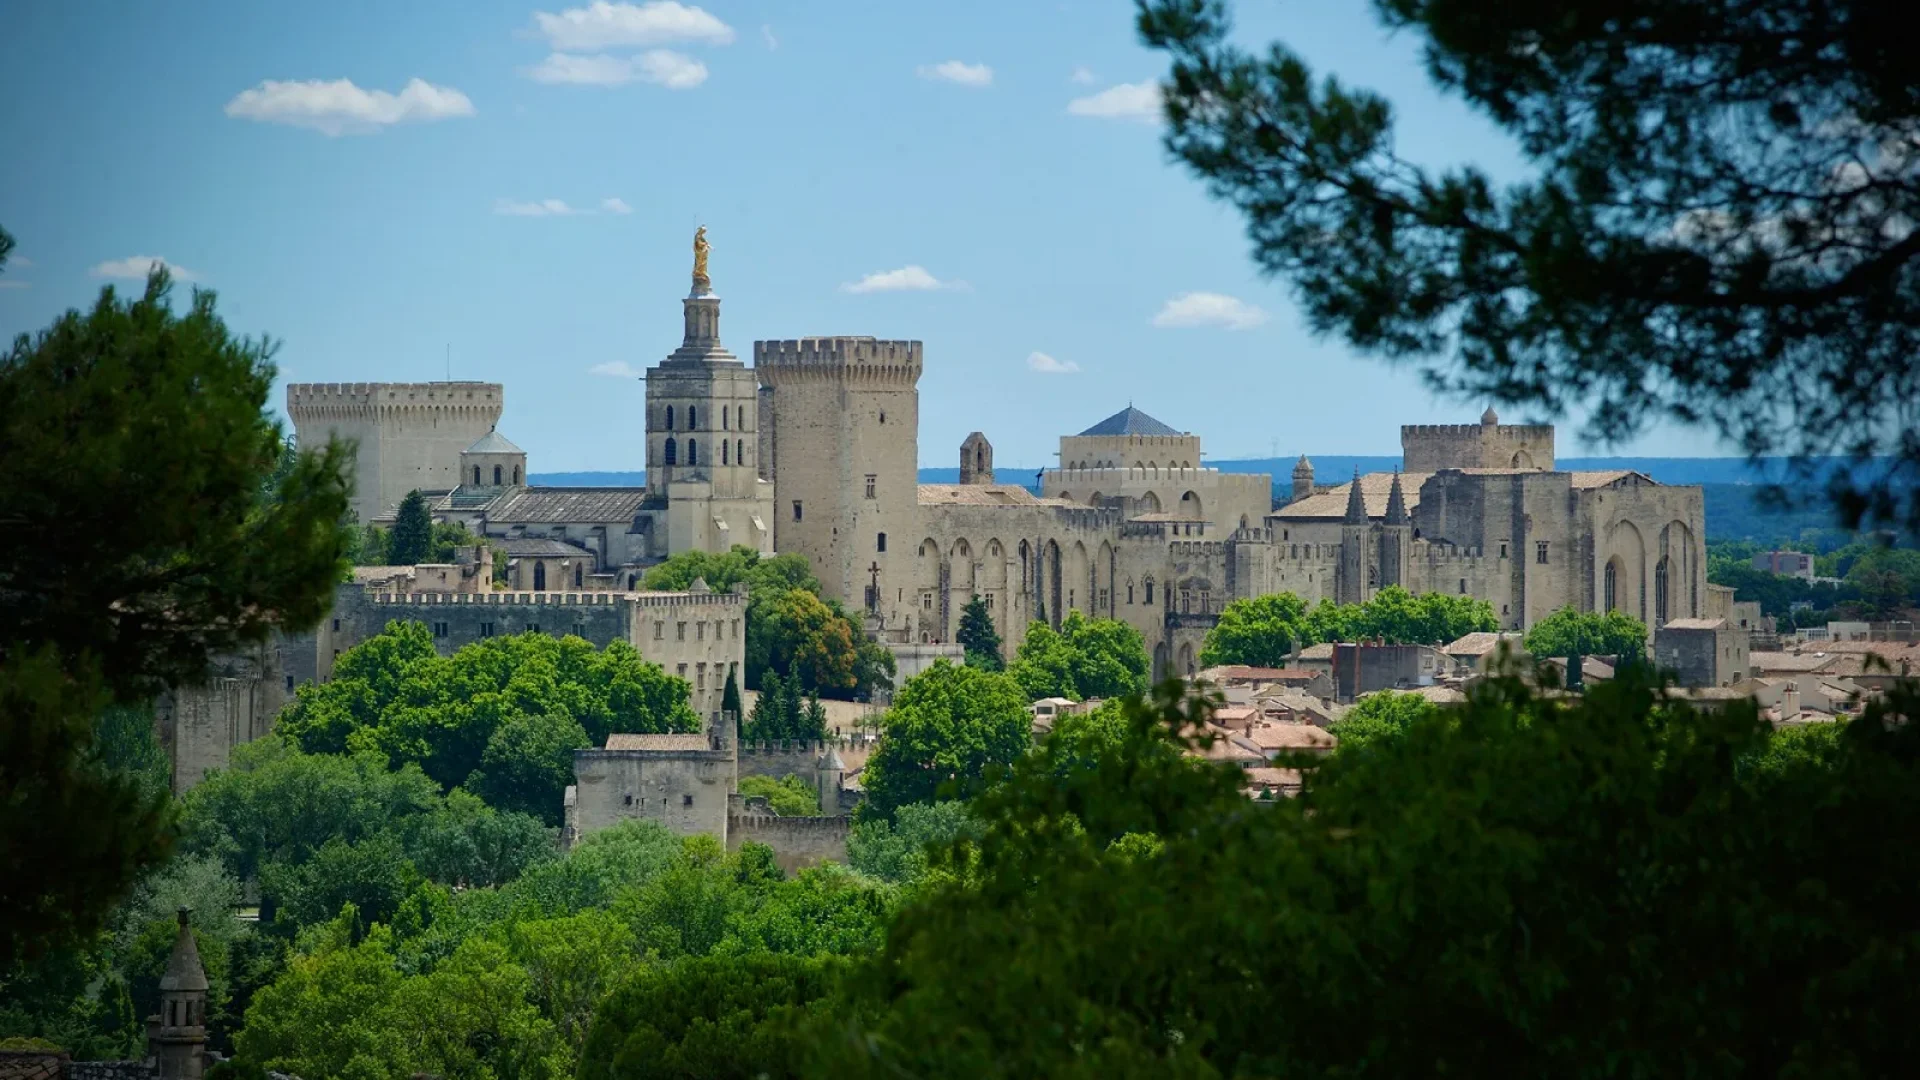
point(693, 448)
point(476, 476)
point(1660, 592)
point(579, 574)
point(539, 577)
point(669, 418)
point(725, 451)
point(496, 476)
point(726, 421)
point(1612, 585)
point(739, 451)
point(670, 453)
point(516, 476)
point(693, 424)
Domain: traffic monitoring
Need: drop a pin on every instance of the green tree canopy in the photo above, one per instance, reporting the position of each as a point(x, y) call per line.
point(1522, 886)
point(1383, 714)
point(946, 728)
point(1587, 633)
point(721, 1018)
point(1259, 630)
point(394, 694)
point(978, 636)
point(134, 542)
point(789, 796)
point(410, 540)
point(1085, 658)
point(1714, 224)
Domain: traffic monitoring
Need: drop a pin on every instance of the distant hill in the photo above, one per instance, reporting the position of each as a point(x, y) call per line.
point(1728, 483)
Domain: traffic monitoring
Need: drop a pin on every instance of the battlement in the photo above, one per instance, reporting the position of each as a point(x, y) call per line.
point(814, 747)
point(380, 396)
point(1196, 549)
point(1486, 445)
point(518, 598)
point(1476, 430)
point(862, 358)
point(837, 825)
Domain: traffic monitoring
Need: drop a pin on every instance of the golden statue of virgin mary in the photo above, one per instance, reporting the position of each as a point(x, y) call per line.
point(700, 248)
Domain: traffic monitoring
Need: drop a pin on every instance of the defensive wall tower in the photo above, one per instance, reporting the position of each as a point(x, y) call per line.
point(409, 435)
point(1486, 445)
point(844, 416)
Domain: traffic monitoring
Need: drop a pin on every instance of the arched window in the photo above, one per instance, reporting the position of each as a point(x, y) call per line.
point(496, 476)
point(1149, 592)
point(693, 448)
point(669, 418)
point(880, 543)
point(539, 577)
point(670, 452)
point(741, 412)
point(726, 452)
point(516, 476)
point(693, 423)
point(980, 458)
point(739, 451)
point(476, 476)
point(726, 419)
point(1611, 588)
point(1660, 592)
point(579, 574)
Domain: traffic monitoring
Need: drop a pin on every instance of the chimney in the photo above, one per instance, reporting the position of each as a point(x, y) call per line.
point(1790, 702)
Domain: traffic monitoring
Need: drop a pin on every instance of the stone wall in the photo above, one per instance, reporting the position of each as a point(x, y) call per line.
point(200, 725)
point(409, 435)
point(1487, 445)
point(684, 790)
point(797, 842)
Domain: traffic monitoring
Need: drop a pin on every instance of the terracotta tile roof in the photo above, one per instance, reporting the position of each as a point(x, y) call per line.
point(627, 741)
point(1247, 673)
point(1374, 489)
point(978, 495)
point(546, 505)
point(1441, 695)
point(1267, 778)
point(1788, 662)
point(1273, 737)
point(1482, 642)
point(1322, 651)
point(1586, 481)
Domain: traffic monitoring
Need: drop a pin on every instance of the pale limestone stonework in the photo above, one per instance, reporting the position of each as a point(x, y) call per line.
point(407, 436)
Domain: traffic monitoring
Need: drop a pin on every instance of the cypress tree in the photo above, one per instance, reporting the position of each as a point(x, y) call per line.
point(412, 536)
point(979, 638)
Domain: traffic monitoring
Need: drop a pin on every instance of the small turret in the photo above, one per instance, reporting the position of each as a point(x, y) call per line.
point(833, 772)
point(1302, 478)
point(1356, 502)
point(976, 460)
point(177, 1037)
point(1397, 504)
point(1489, 418)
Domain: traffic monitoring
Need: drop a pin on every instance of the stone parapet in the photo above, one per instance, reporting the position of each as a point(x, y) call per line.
point(862, 359)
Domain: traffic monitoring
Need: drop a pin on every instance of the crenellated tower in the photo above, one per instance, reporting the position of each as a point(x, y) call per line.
point(845, 417)
point(407, 435)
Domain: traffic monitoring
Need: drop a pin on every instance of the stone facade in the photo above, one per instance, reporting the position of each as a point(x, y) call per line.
point(689, 784)
point(408, 435)
point(1703, 652)
point(200, 725)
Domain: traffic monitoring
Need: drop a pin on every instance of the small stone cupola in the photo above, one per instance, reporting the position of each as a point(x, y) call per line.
point(976, 460)
point(493, 461)
point(1302, 478)
point(177, 1037)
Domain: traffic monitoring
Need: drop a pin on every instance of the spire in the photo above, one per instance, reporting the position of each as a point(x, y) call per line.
point(184, 973)
point(1303, 467)
point(1489, 417)
point(700, 312)
point(1397, 503)
point(1356, 503)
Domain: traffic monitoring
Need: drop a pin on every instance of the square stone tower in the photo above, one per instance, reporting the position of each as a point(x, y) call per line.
point(703, 435)
point(409, 435)
point(845, 415)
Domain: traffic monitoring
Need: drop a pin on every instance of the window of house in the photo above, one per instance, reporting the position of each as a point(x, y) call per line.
point(726, 453)
point(796, 509)
point(289, 682)
point(680, 631)
point(336, 626)
point(1206, 601)
point(680, 670)
point(1503, 549)
point(741, 412)
point(1186, 601)
point(476, 476)
point(1149, 594)
point(700, 630)
point(692, 422)
point(579, 575)
point(629, 800)
point(1540, 552)
point(736, 629)
point(880, 542)
point(669, 418)
point(871, 480)
point(989, 600)
point(533, 628)
point(496, 476)
point(726, 420)
point(671, 460)
point(686, 800)
point(1129, 593)
point(693, 447)
point(486, 629)
point(700, 677)
point(659, 631)
point(579, 630)
point(1463, 586)
point(739, 451)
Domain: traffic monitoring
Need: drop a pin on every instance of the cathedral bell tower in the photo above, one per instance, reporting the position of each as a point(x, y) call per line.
point(703, 433)
point(177, 1036)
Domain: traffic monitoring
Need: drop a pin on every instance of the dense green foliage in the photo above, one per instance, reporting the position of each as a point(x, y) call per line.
point(1712, 221)
point(947, 729)
point(1521, 886)
point(136, 540)
point(788, 797)
point(1085, 658)
point(781, 714)
point(1568, 632)
point(372, 546)
point(1383, 714)
point(978, 637)
point(724, 1018)
point(411, 538)
point(898, 850)
point(790, 628)
point(1264, 630)
point(502, 715)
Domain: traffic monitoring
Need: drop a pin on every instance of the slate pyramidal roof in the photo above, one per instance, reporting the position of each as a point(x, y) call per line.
point(493, 443)
point(1130, 421)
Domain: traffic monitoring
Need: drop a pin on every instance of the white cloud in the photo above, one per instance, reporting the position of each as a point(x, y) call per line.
point(618, 369)
point(1128, 101)
point(135, 267)
point(905, 279)
point(601, 25)
point(1047, 365)
point(662, 67)
point(339, 107)
point(1082, 76)
point(615, 206)
point(955, 71)
point(1209, 309)
point(537, 208)
point(766, 35)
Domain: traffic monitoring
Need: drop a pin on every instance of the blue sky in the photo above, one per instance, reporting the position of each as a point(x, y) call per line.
point(901, 169)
